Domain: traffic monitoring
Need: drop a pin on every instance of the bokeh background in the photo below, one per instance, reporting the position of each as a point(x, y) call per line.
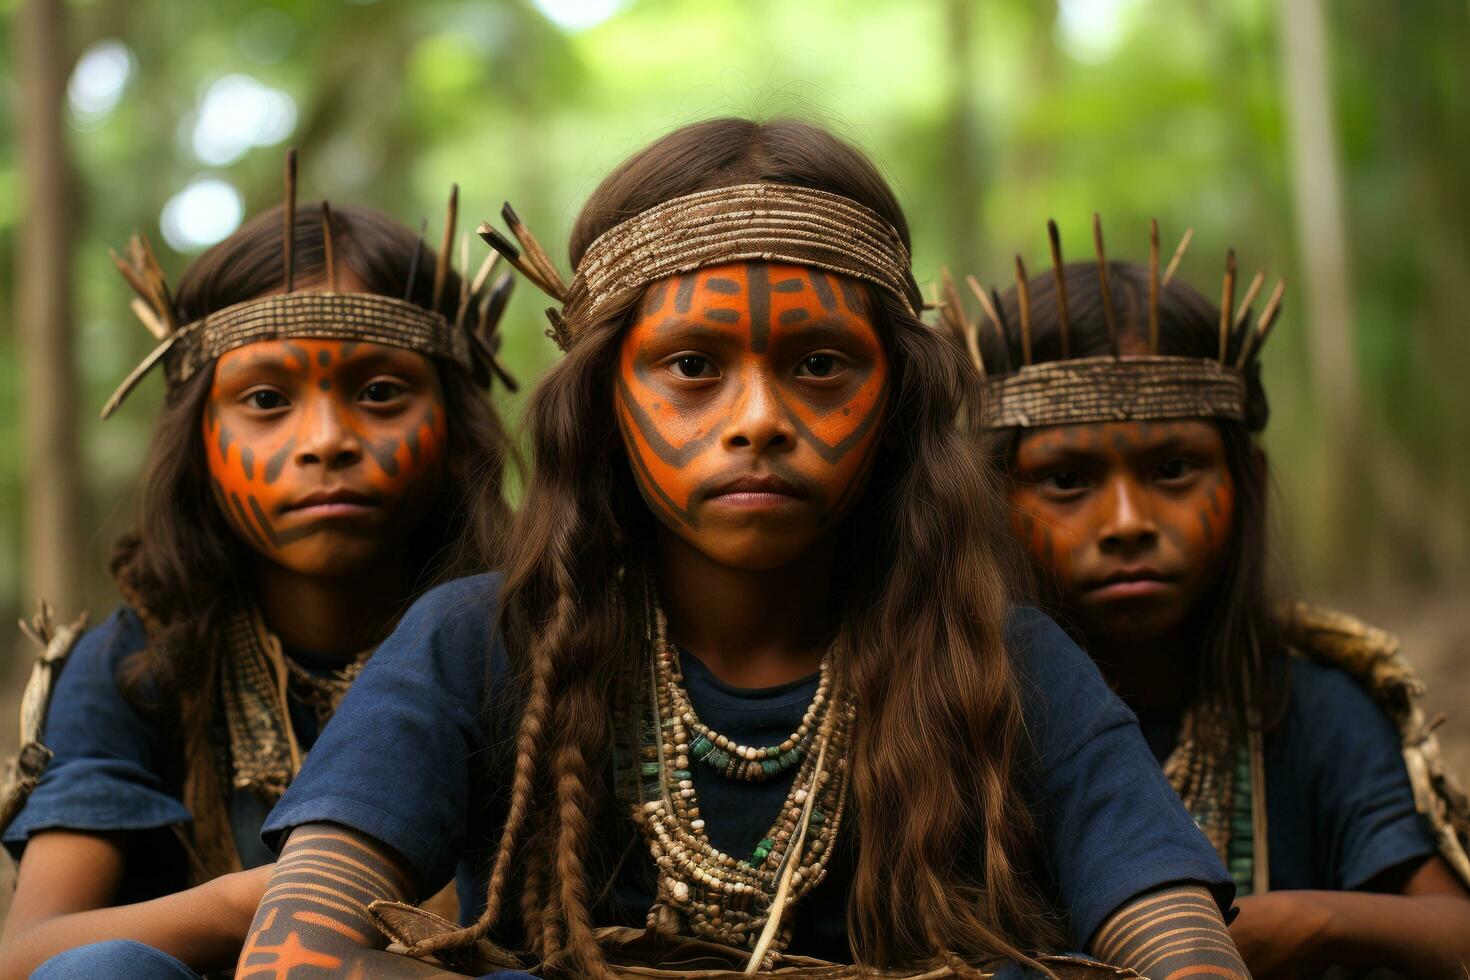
point(1326, 140)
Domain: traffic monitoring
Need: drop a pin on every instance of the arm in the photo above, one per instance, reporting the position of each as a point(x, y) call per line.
point(1423, 930)
point(313, 921)
point(1175, 932)
point(66, 881)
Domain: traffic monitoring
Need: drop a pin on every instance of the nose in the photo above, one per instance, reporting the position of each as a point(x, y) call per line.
point(325, 438)
point(1128, 525)
point(757, 420)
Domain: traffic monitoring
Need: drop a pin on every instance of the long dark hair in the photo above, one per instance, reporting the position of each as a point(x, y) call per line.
point(1235, 621)
point(181, 569)
point(941, 849)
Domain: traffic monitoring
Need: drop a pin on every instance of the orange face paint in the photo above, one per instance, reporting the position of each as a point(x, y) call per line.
point(1131, 520)
point(324, 454)
point(751, 397)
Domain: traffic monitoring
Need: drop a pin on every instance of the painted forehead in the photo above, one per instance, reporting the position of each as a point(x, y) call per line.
point(755, 297)
point(1120, 436)
point(309, 355)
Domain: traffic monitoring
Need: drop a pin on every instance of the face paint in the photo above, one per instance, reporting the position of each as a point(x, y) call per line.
point(1131, 520)
point(750, 398)
point(324, 454)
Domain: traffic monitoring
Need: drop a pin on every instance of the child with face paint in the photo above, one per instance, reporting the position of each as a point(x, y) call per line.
point(752, 675)
point(324, 455)
point(1126, 428)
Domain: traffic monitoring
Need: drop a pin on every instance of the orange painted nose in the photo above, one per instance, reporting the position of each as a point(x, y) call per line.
point(757, 420)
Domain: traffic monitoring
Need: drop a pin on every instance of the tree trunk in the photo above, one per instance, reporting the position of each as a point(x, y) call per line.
point(55, 558)
point(1322, 236)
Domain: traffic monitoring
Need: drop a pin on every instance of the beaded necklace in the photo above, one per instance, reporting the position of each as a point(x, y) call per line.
point(1212, 776)
point(701, 890)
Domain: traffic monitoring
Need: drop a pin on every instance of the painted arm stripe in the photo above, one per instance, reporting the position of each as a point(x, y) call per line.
point(1137, 921)
point(288, 891)
point(1173, 900)
point(316, 876)
point(399, 885)
point(327, 922)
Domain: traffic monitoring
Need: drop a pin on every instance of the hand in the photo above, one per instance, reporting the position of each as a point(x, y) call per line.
point(1283, 934)
point(240, 893)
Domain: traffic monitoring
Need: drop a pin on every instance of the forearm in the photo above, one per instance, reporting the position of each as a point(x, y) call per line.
point(1418, 935)
point(313, 919)
point(1173, 933)
point(199, 926)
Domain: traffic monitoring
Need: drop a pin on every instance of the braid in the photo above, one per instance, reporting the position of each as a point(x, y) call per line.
point(533, 904)
point(573, 802)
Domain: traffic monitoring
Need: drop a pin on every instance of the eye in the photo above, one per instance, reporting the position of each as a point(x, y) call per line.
point(1174, 471)
point(381, 391)
point(820, 366)
point(1063, 482)
point(266, 399)
point(693, 366)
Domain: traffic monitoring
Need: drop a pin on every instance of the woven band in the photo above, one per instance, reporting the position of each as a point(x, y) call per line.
point(745, 223)
point(1113, 389)
point(365, 317)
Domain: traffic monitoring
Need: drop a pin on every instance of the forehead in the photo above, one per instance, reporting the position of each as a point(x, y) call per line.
point(730, 292)
point(1107, 439)
point(306, 353)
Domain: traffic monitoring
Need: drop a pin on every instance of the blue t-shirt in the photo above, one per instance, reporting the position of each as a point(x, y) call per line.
point(1339, 807)
point(405, 762)
point(116, 769)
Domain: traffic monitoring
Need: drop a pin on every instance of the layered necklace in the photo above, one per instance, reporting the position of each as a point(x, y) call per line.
point(701, 890)
point(1212, 775)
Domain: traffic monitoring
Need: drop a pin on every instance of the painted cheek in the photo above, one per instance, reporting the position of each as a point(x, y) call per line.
point(243, 475)
point(1048, 540)
point(402, 456)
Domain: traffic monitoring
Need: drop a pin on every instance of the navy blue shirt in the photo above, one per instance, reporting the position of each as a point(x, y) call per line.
point(120, 770)
point(1339, 807)
point(402, 762)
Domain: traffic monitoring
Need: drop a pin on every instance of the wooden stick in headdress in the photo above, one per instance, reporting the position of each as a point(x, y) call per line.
point(461, 312)
point(1104, 285)
point(288, 245)
point(153, 272)
point(513, 255)
point(1238, 329)
point(969, 333)
point(988, 303)
point(1227, 305)
point(1060, 275)
point(488, 323)
point(534, 252)
point(1023, 294)
point(1263, 326)
point(328, 248)
point(413, 263)
point(1153, 286)
point(446, 248)
point(1178, 255)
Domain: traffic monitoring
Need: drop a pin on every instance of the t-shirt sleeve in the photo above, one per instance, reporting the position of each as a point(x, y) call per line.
point(1336, 737)
point(395, 761)
point(1111, 826)
point(106, 771)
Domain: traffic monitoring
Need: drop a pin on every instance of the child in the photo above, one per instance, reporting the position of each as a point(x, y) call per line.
point(1124, 411)
point(324, 455)
point(751, 676)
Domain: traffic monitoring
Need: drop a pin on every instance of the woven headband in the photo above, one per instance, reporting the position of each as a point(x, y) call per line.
point(744, 223)
point(1077, 391)
point(469, 341)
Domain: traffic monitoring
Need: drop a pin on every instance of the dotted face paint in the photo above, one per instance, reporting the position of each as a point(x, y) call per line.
point(751, 397)
point(324, 454)
point(1131, 520)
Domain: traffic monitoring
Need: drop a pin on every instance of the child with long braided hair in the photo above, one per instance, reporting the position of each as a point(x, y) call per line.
point(751, 690)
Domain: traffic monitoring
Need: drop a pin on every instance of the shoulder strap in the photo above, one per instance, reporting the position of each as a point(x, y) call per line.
point(24, 771)
point(1372, 657)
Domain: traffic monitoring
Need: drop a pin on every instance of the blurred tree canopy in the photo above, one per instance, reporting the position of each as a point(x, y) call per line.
point(988, 115)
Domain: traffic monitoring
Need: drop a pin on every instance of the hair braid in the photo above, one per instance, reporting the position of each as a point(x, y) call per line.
point(575, 828)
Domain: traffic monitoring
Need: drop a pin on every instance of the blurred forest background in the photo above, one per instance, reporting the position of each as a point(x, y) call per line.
point(1326, 140)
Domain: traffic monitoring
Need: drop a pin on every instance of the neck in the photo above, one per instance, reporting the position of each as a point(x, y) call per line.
point(1158, 672)
point(750, 628)
point(337, 616)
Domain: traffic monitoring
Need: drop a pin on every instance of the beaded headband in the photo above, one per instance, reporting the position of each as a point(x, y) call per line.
point(1113, 387)
point(470, 341)
point(747, 222)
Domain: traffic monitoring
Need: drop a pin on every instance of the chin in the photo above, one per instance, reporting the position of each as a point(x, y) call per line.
point(330, 560)
point(759, 555)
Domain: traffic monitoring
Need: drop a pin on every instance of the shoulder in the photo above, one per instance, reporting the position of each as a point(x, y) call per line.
point(101, 650)
point(448, 635)
point(1323, 695)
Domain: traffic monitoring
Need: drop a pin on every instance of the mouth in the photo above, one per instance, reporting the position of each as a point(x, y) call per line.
point(756, 491)
point(1132, 583)
point(337, 502)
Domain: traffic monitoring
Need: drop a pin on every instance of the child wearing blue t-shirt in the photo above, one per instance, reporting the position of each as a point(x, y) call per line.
point(1140, 494)
point(751, 683)
point(323, 456)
